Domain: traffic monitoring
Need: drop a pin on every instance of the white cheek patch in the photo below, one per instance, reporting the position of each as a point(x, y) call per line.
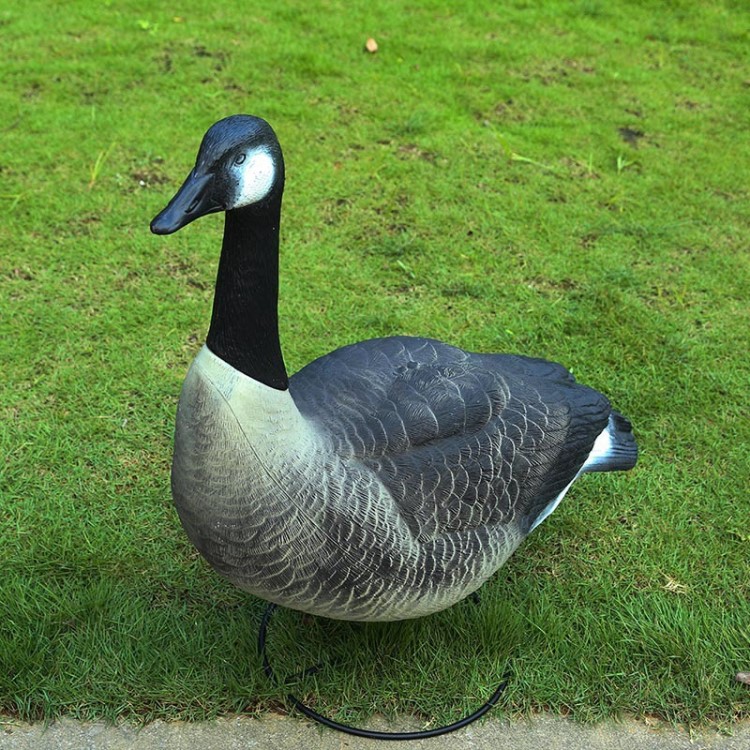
point(255, 178)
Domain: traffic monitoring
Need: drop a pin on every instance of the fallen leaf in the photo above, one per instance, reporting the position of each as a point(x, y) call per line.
point(371, 45)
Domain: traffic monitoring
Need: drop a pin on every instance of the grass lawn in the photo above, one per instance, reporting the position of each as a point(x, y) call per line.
point(563, 179)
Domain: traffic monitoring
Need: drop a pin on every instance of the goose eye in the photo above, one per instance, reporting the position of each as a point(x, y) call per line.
point(239, 158)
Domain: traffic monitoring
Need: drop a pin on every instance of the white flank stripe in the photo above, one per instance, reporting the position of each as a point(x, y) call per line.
point(601, 448)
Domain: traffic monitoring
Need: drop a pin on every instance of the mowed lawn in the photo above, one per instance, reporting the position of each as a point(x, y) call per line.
point(566, 180)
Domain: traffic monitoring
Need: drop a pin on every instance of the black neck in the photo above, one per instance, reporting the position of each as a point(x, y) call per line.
point(244, 328)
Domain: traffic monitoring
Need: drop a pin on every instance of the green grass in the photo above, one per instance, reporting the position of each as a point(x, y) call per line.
point(568, 180)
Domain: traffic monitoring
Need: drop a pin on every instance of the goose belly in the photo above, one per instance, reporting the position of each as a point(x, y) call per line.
point(269, 505)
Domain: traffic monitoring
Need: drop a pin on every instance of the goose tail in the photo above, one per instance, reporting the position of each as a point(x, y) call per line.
point(615, 449)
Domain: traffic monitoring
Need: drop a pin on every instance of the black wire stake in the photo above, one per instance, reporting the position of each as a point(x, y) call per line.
point(368, 733)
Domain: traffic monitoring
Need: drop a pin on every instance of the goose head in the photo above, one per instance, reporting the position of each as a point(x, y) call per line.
point(239, 165)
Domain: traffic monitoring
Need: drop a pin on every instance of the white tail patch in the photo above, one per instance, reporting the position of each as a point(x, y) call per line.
point(600, 450)
point(255, 177)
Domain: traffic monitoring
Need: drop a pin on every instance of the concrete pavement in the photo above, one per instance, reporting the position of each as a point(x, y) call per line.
point(286, 733)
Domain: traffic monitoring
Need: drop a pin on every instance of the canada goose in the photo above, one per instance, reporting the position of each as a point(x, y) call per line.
point(386, 480)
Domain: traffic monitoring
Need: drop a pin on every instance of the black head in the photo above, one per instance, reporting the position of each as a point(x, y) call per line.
point(239, 164)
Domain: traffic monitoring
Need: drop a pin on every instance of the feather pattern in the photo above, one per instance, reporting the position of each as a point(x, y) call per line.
point(460, 440)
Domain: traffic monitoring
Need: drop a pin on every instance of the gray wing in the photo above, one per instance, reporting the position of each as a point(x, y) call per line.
point(461, 440)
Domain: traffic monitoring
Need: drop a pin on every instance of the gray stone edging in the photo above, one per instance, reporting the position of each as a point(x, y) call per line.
point(275, 732)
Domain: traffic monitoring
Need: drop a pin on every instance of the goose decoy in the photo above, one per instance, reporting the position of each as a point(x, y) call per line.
point(386, 480)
